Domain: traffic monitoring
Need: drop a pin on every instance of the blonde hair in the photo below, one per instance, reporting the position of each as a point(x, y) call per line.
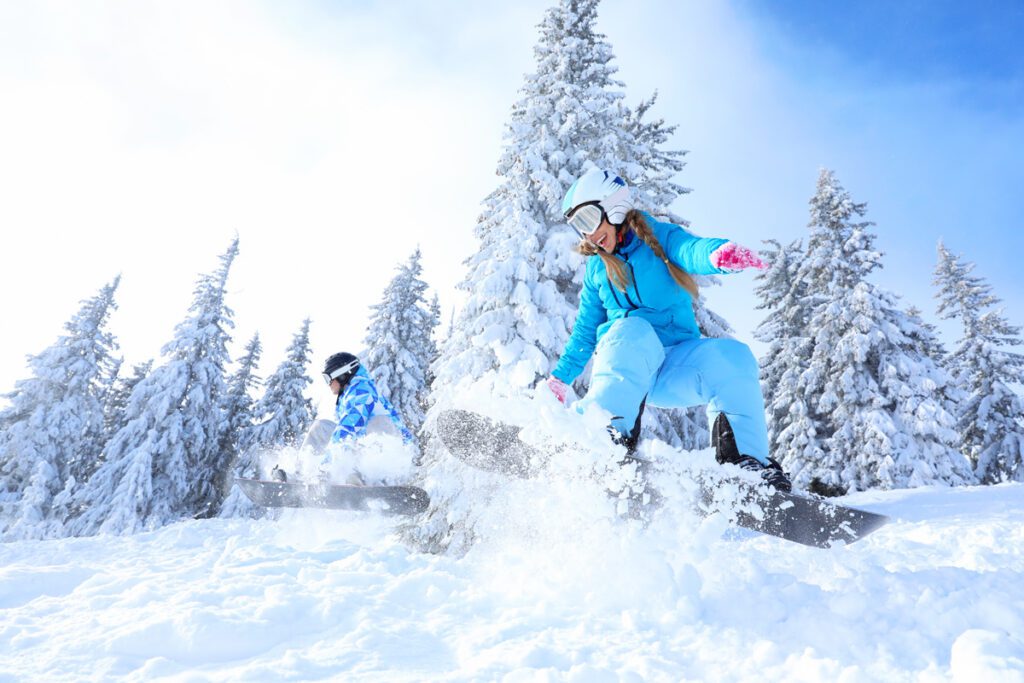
point(613, 265)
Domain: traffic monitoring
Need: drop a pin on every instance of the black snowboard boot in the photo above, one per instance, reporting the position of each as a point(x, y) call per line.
point(631, 440)
point(277, 474)
point(726, 451)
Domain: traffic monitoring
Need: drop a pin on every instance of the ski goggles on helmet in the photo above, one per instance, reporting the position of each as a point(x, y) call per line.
point(586, 218)
point(343, 370)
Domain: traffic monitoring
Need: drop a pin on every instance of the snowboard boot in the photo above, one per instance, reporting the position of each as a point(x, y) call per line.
point(631, 440)
point(277, 474)
point(726, 451)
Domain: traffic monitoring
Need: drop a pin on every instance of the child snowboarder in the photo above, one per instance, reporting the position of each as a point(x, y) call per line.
point(636, 319)
point(359, 409)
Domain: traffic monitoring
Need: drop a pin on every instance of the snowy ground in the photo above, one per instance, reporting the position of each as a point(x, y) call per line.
point(937, 595)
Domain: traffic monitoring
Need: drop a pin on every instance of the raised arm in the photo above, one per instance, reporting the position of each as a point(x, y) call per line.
point(706, 255)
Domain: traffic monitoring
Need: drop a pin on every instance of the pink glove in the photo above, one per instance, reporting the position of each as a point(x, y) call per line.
point(559, 388)
point(734, 258)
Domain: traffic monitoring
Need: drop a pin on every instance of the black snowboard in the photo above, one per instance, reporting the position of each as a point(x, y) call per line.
point(496, 447)
point(395, 500)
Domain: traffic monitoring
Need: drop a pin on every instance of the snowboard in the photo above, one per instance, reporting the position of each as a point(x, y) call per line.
point(394, 500)
point(496, 447)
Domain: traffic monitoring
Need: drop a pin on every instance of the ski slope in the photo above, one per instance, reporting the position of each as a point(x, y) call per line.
point(937, 595)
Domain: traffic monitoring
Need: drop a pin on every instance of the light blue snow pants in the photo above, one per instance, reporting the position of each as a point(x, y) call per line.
point(630, 363)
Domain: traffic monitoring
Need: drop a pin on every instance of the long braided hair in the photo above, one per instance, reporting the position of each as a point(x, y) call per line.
point(617, 272)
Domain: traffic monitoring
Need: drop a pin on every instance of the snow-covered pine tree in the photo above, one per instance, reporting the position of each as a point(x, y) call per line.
point(162, 465)
point(239, 404)
point(239, 408)
point(523, 280)
point(925, 338)
point(648, 165)
point(798, 428)
point(53, 427)
point(116, 398)
point(399, 342)
point(241, 412)
point(990, 417)
point(928, 409)
point(108, 391)
point(284, 414)
point(929, 342)
point(785, 331)
point(870, 390)
point(434, 352)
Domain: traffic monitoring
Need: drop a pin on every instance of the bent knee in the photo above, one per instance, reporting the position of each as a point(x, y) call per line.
point(633, 339)
point(730, 354)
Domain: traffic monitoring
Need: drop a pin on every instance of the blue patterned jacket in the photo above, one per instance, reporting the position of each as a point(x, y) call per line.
point(358, 404)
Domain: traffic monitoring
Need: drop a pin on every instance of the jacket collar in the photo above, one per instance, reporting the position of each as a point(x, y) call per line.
point(630, 243)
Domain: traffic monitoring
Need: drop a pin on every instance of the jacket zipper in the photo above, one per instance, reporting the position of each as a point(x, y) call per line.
point(615, 294)
point(632, 278)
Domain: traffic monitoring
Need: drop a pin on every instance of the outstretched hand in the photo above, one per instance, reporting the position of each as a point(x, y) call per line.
point(734, 258)
point(559, 388)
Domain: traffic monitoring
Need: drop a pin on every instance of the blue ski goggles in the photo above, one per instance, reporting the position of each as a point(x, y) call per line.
point(586, 218)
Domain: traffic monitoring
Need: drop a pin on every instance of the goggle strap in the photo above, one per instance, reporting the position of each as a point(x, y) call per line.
point(348, 367)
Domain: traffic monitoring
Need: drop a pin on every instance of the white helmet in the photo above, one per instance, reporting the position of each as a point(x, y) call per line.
point(602, 189)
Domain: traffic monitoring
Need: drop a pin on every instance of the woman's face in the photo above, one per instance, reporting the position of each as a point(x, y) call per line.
point(604, 237)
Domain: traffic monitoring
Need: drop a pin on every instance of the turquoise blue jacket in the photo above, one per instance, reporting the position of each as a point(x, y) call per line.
point(652, 294)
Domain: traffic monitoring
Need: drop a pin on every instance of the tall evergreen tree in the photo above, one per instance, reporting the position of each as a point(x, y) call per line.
point(239, 411)
point(870, 418)
point(162, 464)
point(116, 398)
point(239, 404)
point(928, 410)
point(53, 428)
point(400, 342)
point(284, 413)
point(990, 418)
point(434, 353)
point(785, 330)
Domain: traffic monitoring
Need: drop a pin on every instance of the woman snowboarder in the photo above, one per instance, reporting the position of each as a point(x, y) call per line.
point(636, 319)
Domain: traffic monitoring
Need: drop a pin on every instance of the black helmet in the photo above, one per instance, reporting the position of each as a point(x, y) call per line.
point(340, 366)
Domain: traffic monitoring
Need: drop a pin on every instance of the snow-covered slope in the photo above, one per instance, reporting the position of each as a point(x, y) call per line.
point(319, 595)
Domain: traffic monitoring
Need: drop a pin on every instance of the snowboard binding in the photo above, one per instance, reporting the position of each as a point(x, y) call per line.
point(726, 452)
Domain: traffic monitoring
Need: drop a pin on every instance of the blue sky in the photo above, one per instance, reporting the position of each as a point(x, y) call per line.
point(978, 42)
point(139, 137)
